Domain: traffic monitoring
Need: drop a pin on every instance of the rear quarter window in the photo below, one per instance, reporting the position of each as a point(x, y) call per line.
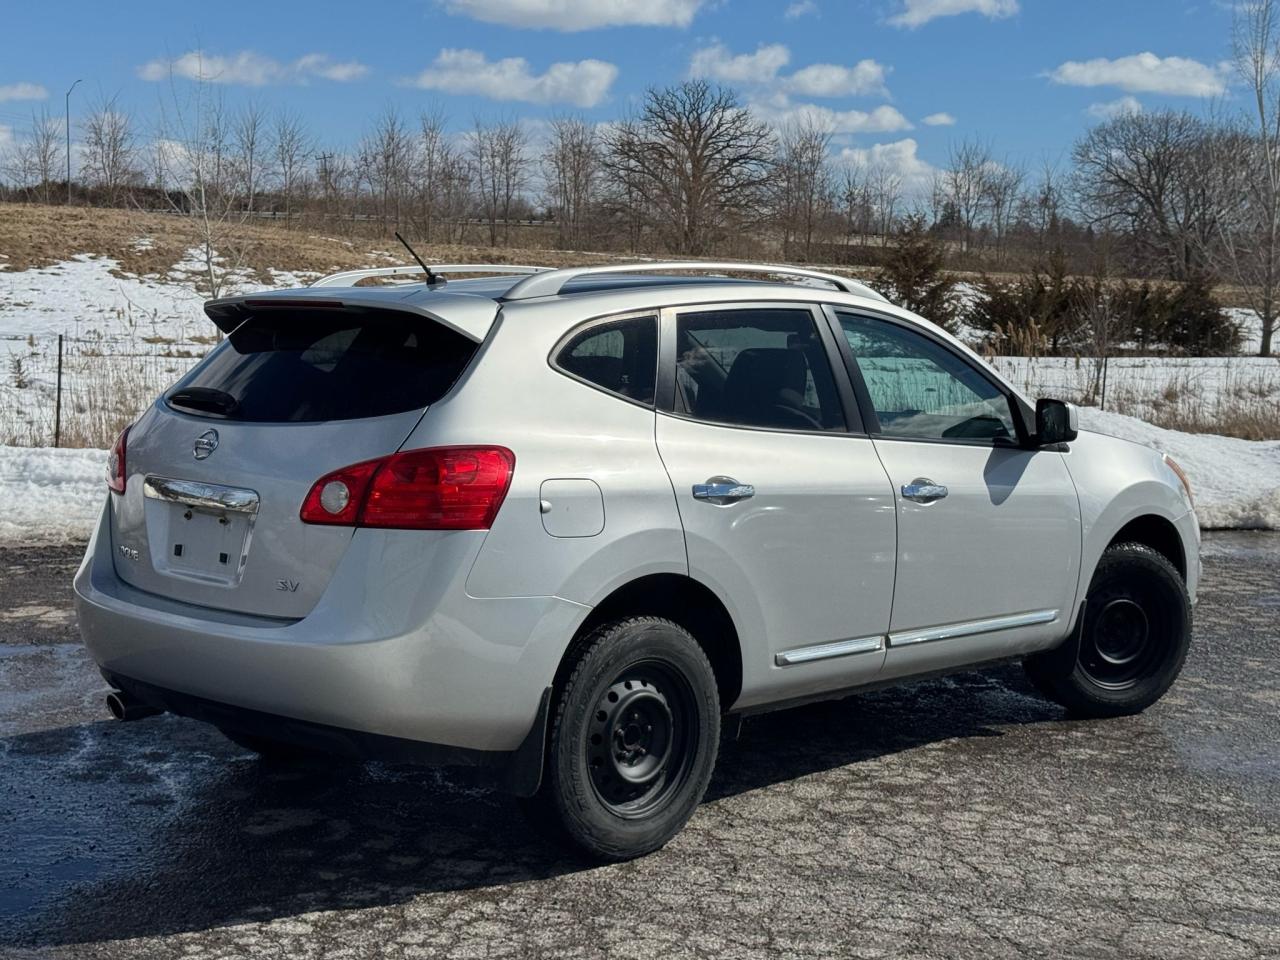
point(617, 356)
point(301, 366)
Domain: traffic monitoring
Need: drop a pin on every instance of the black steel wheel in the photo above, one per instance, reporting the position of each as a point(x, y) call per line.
point(1131, 643)
point(634, 733)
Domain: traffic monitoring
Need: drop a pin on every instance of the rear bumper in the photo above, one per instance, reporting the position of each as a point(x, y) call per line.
point(394, 649)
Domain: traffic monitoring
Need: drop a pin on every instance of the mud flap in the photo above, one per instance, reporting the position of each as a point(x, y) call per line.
point(523, 775)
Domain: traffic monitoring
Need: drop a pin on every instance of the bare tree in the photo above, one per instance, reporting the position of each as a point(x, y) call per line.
point(1147, 174)
point(884, 191)
point(110, 149)
point(966, 185)
point(802, 184)
point(249, 143)
point(571, 169)
point(1251, 242)
point(387, 153)
point(435, 158)
point(1004, 191)
point(499, 158)
point(34, 162)
point(292, 145)
point(695, 160)
point(191, 159)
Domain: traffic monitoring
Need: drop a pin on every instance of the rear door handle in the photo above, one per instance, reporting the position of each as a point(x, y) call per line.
point(923, 490)
point(723, 490)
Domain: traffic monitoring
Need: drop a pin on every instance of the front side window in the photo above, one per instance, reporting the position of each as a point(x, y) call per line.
point(757, 367)
point(920, 390)
point(620, 356)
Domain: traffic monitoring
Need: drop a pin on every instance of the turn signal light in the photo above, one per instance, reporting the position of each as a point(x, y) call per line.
point(441, 488)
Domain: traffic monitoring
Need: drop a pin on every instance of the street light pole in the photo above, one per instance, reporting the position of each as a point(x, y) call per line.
point(68, 122)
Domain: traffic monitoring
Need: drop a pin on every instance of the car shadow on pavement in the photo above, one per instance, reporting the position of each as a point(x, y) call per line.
point(161, 827)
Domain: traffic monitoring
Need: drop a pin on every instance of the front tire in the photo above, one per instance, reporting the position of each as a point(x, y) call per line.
point(634, 734)
point(1132, 642)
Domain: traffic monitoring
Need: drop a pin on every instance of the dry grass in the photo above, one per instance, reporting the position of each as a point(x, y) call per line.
point(32, 235)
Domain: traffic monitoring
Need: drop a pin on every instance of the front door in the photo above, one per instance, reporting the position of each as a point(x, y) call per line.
point(787, 512)
point(988, 531)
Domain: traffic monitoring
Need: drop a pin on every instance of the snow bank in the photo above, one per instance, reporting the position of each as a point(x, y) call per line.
point(50, 495)
point(1236, 482)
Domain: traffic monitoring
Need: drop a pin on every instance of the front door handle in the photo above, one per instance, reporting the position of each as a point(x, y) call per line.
point(923, 490)
point(723, 490)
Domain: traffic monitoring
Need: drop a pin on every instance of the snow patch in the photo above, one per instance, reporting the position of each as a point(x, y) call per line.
point(50, 495)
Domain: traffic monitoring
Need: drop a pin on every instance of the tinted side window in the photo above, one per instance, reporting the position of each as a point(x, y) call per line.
point(621, 357)
point(757, 367)
point(920, 389)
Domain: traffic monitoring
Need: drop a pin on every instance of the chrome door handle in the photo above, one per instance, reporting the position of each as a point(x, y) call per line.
point(723, 490)
point(923, 490)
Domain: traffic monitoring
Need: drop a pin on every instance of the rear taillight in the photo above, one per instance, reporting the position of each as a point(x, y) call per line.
point(443, 488)
point(116, 470)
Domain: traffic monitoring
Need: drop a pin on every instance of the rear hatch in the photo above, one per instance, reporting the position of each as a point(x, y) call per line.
point(219, 467)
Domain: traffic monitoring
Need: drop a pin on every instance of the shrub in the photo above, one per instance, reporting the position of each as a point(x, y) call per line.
point(912, 276)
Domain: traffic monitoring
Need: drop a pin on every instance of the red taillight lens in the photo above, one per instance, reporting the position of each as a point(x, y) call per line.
point(444, 488)
point(336, 497)
point(116, 469)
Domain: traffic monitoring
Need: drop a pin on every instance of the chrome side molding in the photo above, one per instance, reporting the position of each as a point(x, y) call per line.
point(990, 625)
point(824, 651)
point(201, 496)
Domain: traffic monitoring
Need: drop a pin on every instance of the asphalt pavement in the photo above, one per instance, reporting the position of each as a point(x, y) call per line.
point(962, 817)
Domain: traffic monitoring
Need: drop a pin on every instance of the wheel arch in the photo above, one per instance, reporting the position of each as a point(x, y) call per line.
point(682, 600)
point(1158, 533)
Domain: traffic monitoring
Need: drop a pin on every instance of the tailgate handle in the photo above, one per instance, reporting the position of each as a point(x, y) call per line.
point(202, 496)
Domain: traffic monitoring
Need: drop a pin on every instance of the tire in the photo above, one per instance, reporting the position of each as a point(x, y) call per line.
point(634, 734)
point(1132, 642)
point(272, 751)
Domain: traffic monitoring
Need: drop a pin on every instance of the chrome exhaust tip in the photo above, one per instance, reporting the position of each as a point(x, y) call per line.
point(124, 707)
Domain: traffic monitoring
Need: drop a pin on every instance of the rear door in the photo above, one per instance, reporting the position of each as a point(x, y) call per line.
point(787, 512)
point(988, 529)
point(218, 468)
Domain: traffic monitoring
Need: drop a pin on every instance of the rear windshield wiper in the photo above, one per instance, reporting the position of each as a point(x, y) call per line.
point(205, 398)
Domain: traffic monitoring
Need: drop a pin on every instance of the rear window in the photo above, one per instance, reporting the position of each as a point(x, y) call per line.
point(296, 366)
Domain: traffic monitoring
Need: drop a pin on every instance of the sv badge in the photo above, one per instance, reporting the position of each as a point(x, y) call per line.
point(289, 586)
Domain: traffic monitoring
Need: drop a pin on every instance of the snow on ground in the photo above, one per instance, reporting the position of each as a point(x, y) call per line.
point(1236, 483)
point(50, 495)
point(55, 495)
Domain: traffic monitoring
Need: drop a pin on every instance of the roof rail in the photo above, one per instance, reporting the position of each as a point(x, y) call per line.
point(550, 283)
point(348, 278)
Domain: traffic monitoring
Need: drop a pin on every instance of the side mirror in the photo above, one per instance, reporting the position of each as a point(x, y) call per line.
point(1056, 422)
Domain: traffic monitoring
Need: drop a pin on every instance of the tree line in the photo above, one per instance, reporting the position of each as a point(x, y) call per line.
point(1163, 196)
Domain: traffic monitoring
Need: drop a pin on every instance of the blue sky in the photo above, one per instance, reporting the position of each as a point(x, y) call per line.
point(897, 79)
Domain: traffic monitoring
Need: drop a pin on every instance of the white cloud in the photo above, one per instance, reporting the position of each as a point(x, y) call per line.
point(763, 69)
point(1124, 107)
point(573, 15)
point(22, 91)
point(583, 84)
point(899, 157)
point(801, 8)
point(250, 69)
point(1144, 73)
point(939, 120)
point(916, 13)
point(883, 119)
point(833, 80)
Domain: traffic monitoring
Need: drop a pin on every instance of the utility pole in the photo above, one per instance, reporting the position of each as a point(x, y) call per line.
point(68, 122)
point(324, 159)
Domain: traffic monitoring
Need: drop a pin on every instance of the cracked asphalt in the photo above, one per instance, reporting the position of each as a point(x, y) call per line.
point(962, 817)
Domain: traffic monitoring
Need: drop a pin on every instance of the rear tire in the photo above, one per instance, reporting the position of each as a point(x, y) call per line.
point(1132, 642)
point(634, 734)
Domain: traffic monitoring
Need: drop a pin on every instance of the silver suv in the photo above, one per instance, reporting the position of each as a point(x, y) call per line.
point(562, 523)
